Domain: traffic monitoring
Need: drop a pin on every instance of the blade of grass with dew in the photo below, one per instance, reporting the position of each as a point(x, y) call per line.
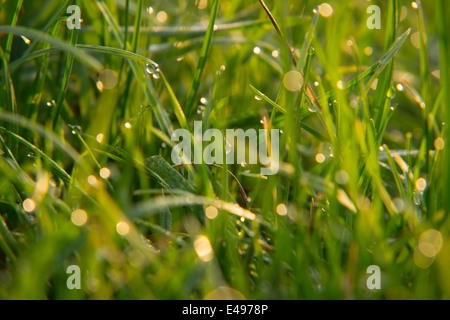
point(304, 113)
point(150, 207)
point(425, 76)
point(190, 107)
point(169, 175)
point(55, 20)
point(395, 174)
point(267, 99)
point(64, 46)
point(381, 99)
point(160, 113)
point(374, 70)
point(310, 92)
point(178, 240)
point(65, 79)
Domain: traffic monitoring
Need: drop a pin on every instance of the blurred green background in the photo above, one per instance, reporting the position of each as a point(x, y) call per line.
point(363, 180)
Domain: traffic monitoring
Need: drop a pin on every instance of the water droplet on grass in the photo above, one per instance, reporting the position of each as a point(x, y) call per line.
point(51, 103)
point(152, 69)
point(312, 109)
point(26, 40)
point(75, 129)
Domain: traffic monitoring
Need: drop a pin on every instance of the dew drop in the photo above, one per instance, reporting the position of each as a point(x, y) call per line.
point(51, 103)
point(152, 69)
point(26, 40)
point(149, 69)
point(75, 129)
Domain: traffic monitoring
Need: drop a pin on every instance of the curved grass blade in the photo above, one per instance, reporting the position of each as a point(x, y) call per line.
point(373, 71)
point(268, 100)
point(154, 206)
point(40, 36)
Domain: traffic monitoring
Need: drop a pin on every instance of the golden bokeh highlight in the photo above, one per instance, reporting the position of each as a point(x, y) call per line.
point(161, 16)
point(108, 78)
point(92, 180)
point(203, 248)
point(421, 184)
point(105, 173)
point(320, 158)
point(211, 212)
point(281, 209)
point(293, 80)
point(326, 10)
point(430, 243)
point(79, 217)
point(29, 205)
point(439, 144)
point(122, 228)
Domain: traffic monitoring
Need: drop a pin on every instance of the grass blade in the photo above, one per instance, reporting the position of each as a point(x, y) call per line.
point(190, 107)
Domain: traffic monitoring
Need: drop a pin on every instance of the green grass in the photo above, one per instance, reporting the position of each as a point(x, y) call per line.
point(110, 95)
